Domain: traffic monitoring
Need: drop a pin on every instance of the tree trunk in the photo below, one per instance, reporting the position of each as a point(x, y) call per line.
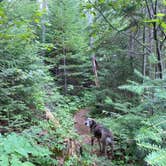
point(157, 42)
point(94, 64)
point(131, 49)
point(94, 61)
point(152, 8)
point(151, 66)
point(144, 53)
point(65, 73)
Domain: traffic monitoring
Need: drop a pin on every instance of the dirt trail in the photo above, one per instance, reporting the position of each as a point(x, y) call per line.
point(84, 131)
point(80, 127)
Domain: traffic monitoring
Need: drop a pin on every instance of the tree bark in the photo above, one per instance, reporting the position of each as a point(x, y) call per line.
point(144, 52)
point(157, 42)
point(64, 71)
point(94, 64)
point(131, 49)
point(151, 66)
point(94, 61)
point(152, 8)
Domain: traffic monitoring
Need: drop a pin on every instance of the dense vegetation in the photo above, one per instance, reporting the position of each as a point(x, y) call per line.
point(57, 57)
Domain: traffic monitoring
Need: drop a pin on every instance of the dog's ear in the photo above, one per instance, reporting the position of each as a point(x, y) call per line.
point(93, 123)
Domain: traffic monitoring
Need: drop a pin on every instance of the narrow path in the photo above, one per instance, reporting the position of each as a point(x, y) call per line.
point(80, 127)
point(83, 130)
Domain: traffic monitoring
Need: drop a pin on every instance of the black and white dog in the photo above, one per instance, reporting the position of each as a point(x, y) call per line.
point(103, 135)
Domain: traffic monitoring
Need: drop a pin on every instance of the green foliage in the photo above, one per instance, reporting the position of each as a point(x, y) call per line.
point(134, 87)
point(137, 136)
point(23, 74)
point(135, 111)
point(151, 135)
point(151, 139)
point(68, 57)
point(88, 98)
point(16, 149)
point(157, 157)
point(65, 116)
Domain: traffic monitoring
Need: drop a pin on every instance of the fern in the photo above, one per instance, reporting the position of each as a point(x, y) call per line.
point(157, 158)
point(151, 135)
point(148, 146)
point(151, 139)
point(146, 134)
point(134, 87)
point(16, 150)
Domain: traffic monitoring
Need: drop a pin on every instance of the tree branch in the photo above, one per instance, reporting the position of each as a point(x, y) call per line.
point(149, 12)
point(105, 18)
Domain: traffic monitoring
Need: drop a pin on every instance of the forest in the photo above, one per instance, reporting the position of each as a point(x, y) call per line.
point(67, 64)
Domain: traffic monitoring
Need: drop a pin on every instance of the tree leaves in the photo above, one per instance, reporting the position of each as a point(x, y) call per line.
point(4, 160)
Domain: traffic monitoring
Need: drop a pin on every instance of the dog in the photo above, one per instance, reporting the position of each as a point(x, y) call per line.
point(103, 135)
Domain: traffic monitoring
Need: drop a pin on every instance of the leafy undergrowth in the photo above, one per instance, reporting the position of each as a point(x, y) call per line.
point(16, 149)
point(48, 143)
point(45, 144)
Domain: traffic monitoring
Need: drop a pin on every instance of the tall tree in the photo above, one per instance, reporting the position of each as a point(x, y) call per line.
point(68, 58)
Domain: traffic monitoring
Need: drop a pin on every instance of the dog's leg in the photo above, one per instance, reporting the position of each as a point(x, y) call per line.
point(103, 141)
point(99, 143)
point(112, 149)
point(92, 140)
point(103, 147)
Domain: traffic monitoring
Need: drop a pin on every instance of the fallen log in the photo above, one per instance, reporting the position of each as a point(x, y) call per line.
point(49, 116)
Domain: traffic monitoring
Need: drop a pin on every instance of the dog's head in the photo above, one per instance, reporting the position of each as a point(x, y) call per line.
point(89, 122)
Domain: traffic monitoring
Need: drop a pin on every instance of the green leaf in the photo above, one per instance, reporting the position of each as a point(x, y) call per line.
point(160, 14)
point(4, 160)
point(22, 151)
point(101, 1)
point(152, 21)
point(108, 100)
point(27, 164)
point(88, 6)
point(164, 2)
point(15, 161)
point(36, 20)
point(163, 24)
point(2, 14)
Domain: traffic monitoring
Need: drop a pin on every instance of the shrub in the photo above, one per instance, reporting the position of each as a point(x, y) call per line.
point(16, 149)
